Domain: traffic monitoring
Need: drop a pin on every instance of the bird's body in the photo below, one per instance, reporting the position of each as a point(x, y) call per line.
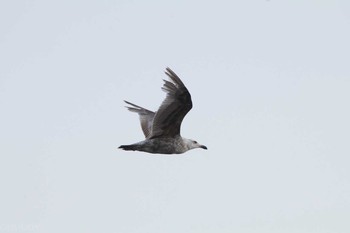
point(162, 128)
point(175, 145)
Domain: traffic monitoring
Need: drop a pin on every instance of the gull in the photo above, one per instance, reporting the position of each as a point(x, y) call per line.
point(162, 128)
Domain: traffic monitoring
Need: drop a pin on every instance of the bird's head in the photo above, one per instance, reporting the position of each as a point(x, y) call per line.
point(192, 144)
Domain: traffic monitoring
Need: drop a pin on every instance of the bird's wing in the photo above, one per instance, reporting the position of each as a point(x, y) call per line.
point(146, 117)
point(168, 118)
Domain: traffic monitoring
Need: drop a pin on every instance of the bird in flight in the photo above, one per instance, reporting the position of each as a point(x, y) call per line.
point(162, 128)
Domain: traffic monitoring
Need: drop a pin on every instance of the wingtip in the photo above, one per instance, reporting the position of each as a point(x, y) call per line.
point(134, 105)
point(169, 72)
point(173, 76)
point(126, 103)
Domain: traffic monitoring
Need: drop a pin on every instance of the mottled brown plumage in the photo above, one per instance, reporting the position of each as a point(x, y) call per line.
point(162, 128)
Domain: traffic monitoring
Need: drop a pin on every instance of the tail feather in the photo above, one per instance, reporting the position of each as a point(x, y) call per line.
point(128, 147)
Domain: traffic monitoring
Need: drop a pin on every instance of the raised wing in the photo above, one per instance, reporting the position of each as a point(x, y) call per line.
point(168, 118)
point(146, 117)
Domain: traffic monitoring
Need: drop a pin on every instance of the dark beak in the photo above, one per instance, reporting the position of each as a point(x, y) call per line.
point(204, 147)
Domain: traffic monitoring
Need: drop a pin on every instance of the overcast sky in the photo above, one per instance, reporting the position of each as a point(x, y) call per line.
point(270, 85)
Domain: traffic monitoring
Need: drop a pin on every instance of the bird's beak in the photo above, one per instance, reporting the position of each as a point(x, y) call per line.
point(203, 147)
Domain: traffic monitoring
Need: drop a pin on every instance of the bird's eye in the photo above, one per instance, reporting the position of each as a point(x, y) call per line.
point(195, 142)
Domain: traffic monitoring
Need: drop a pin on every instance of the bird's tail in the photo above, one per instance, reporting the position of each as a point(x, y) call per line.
point(128, 147)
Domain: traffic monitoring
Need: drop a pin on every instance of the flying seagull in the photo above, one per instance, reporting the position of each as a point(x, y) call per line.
point(162, 128)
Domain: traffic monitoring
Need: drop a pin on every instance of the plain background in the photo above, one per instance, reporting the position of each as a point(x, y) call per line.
point(270, 84)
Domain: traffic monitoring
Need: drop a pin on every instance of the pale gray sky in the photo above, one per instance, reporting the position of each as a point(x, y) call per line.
point(270, 84)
